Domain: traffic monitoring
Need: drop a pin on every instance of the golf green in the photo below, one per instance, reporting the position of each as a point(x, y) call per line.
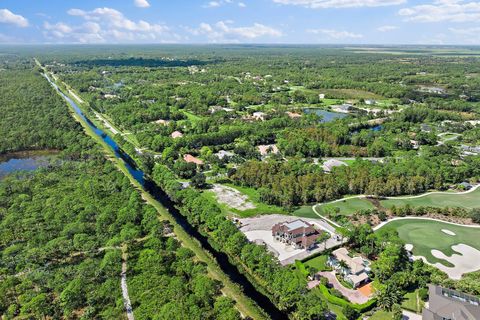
point(426, 235)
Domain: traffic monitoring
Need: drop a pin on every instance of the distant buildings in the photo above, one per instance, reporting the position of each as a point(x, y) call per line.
point(267, 149)
point(370, 102)
point(447, 304)
point(259, 115)
point(354, 270)
point(191, 159)
point(293, 115)
point(222, 154)
point(176, 134)
point(332, 163)
point(298, 233)
point(344, 108)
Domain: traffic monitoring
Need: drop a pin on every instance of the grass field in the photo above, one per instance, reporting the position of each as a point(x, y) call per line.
point(413, 302)
point(381, 315)
point(346, 207)
point(468, 201)
point(426, 235)
point(319, 263)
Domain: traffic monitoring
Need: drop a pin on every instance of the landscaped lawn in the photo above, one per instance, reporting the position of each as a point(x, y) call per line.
point(468, 201)
point(412, 302)
point(426, 235)
point(346, 207)
point(319, 263)
point(381, 315)
point(305, 212)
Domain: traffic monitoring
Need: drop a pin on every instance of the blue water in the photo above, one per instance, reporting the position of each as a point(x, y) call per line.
point(377, 128)
point(327, 116)
point(22, 163)
point(119, 153)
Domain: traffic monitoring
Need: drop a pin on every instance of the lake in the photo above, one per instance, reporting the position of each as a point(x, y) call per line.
point(24, 161)
point(327, 116)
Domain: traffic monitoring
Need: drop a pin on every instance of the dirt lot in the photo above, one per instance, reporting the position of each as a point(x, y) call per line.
point(232, 197)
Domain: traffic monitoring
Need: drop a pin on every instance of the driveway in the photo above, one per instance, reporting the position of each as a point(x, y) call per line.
point(353, 296)
point(407, 315)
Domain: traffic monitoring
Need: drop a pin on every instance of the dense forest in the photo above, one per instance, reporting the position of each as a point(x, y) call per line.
point(66, 230)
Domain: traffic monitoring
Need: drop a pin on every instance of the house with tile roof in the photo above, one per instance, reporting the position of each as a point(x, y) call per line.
point(298, 233)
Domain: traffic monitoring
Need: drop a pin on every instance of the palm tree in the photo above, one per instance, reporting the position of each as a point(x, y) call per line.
point(388, 296)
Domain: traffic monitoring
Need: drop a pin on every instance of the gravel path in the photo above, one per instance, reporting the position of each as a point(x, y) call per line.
point(126, 297)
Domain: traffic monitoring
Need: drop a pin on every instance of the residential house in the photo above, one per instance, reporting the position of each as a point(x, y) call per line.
point(223, 153)
point(465, 186)
point(370, 102)
point(293, 115)
point(267, 148)
point(162, 122)
point(191, 159)
point(332, 163)
point(447, 304)
point(355, 270)
point(298, 233)
point(176, 134)
point(259, 115)
point(344, 108)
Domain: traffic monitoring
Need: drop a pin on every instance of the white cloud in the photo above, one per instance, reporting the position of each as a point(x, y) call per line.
point(107, 25)
point(213, 4)
point(141, 3)
point(7, 16)
point(242, 5)
point(443, 10)
point(322, 4)
point(223, 31)
point(467, 35)
point(219, 3)
point(387, 28)
point(336, 34)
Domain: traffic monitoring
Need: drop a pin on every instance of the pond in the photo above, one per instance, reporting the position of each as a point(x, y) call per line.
point(25, 161)
point(327, 116)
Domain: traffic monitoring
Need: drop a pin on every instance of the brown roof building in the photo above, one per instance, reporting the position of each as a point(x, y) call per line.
point(298, 233)
point(191, 159)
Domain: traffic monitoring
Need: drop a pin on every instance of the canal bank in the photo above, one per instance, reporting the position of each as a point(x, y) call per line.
point(249, 300)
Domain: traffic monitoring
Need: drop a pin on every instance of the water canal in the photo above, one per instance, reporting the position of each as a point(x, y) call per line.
point(227, 267)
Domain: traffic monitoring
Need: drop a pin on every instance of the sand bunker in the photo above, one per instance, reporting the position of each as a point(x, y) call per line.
point(450, 233)
point(467, 261)
point(232, 197)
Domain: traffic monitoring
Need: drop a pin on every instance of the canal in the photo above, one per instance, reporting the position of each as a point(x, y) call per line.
point(227, 267)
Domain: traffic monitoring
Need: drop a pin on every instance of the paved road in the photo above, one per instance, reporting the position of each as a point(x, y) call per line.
point(126, 298)
point(407, 315)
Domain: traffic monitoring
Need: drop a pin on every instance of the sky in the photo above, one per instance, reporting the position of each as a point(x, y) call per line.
point(241, 21)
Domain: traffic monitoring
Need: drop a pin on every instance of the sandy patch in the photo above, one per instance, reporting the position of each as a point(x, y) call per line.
point(232, 197)
point(450, 233)
point(467, 261)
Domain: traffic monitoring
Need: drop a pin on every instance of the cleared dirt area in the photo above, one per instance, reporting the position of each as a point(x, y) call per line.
point(232, 197)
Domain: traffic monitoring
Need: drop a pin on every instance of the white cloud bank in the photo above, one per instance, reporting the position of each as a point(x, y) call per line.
point(141, 3)
point(107, 25)
point(223, 31)
point(443, 10)
point(323, 4)
point(387, 28)
point(7, 16)
point(336, 34)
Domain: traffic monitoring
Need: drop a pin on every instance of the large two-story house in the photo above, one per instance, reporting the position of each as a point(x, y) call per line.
point(447, 304)
point(298, 233)
point(355, 270)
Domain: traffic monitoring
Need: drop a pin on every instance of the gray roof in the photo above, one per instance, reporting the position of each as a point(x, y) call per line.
point(450, 304)
point(297, 224)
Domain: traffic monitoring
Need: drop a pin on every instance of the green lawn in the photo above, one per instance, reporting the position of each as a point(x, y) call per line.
point(319, 263)
point(426, 235)
point(412, 302)
point(305, 212)
point(468, 201)
point(346, 207)
point(381, 315)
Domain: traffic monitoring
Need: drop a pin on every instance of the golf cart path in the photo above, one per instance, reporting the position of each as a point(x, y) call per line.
point(126, 297)
point(363, 196)
point(424, 218)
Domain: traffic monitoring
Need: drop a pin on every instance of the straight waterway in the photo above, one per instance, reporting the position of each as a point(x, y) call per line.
point(227, 267)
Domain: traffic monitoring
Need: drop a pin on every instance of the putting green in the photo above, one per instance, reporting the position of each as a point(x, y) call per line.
point(427, 235)
point(466, 200)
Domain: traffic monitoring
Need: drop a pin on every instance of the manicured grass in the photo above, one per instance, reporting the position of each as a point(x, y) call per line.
point(305, 212)
point(426, 235)
point(469, 201)
point(319, 263)
point(192, 117)
point(412, 302)
point(346, 207)
point(381, 315)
